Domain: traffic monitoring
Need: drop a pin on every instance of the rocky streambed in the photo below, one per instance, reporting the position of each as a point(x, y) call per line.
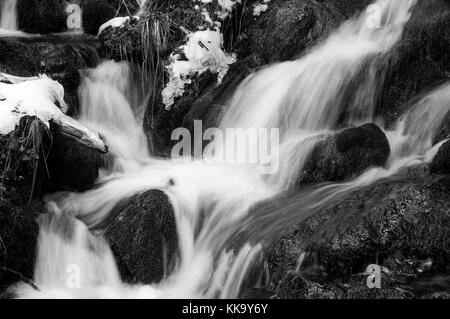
point(400, 223)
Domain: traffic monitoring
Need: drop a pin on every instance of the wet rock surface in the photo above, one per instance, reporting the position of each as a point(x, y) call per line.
point(95, 13)
point(346, 154)
point(286, 29)
point(441, 163)
point(401, 225)
point(420, 61)
point(38, 160)
point(443, 132)
point(41, 16)
point(72, 166)
point(22, 182)
point(18, 238)
point(282, 33)
point(348, 8)
point(143, 236)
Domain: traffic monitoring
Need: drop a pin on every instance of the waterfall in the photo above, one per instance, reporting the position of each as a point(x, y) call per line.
point(8, 19)
point(112, 103)
point(214, 203)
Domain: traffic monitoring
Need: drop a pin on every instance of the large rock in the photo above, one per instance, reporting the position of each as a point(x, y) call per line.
point(21, 178)
point(95, 13)
point(211, 104)
point(345, 155)
point(281, 33)
point(441, 163)
point(41, 16)
point(420, 61)
point(286, 29)
point(143, 236)
point(401, 224)
point(349, 8)
point(443, 132)
point(72, 166)
point(18, 238)
point(36, 160)
point(161, 122)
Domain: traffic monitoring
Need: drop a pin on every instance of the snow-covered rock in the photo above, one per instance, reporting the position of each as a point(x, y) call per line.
point(41, 97)
point(114, 23)
point(33, 97)
point(261, 7)
point(203, 51)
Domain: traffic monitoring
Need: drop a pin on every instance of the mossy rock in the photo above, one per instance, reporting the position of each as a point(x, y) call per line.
point(345, 155)
point(441, 163)
point(143, 236)
point(420, 61)
point(41, 16)
point(401, 224)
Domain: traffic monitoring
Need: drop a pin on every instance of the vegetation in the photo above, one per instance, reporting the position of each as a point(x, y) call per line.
point(23, 152)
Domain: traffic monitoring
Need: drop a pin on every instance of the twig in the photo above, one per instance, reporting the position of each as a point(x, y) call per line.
point(23, 278)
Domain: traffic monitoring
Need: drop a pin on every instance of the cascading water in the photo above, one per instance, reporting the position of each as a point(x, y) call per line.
point(113, 104)
point(8, 19)
point(305, 99)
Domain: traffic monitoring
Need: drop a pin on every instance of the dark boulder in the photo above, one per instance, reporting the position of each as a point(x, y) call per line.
point(349, 8)
point(401, 224)
point(95, 13)
point(420, 61)
point(211, 104)
point(286, 29)
point(41, 16)
point(204, 100)
point(18, 238)
point(441, 163)
point(143, 236)
point(346, 154)
point(72, 166)
point(281, 33)
point(443, 132)
point(161, 122)
point(37, 160)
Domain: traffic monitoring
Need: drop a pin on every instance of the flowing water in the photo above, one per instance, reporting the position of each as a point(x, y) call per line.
point(241, 209)
point(8, 18)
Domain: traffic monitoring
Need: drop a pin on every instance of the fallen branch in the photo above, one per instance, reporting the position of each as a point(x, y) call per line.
point(13, 79)
point(71, 128)
point(23, 278)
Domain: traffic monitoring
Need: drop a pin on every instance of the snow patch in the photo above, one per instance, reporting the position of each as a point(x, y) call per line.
point(203, 51)
point(36, 96)
point(117, 22)
point(262, 7)
point(226, 7)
